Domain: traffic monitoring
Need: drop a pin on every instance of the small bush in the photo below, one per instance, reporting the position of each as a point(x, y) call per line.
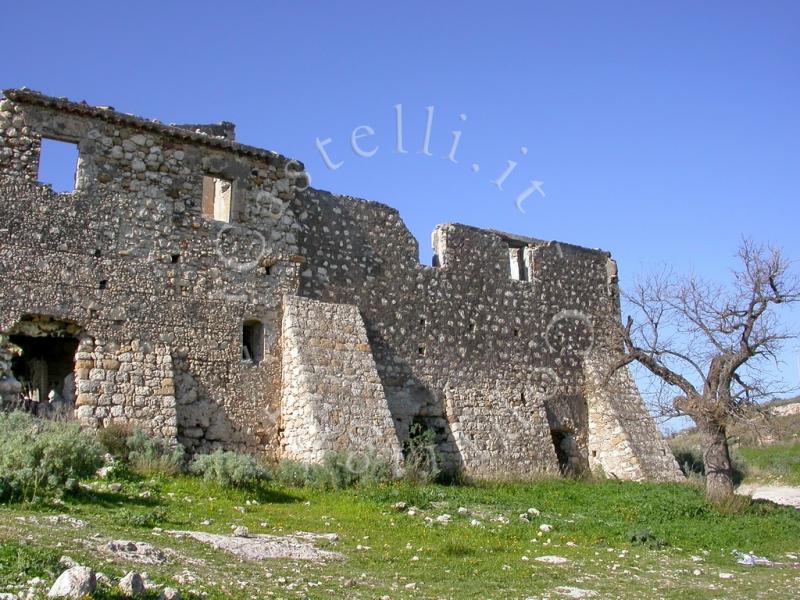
point(338, 470)
point(148, 519)
point(229, 469)
point(644, 536)
point(114, 439)
point(39, 457)
point(734, 505)
point(292, 473)
point(149, 455)
point(421, 457)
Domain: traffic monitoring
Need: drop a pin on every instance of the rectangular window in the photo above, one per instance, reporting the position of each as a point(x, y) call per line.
point(252, 341)
point(58, 164)
point(217, 197)
point(519, 268)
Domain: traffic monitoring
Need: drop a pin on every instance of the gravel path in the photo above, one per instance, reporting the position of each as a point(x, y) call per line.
point(779, 494)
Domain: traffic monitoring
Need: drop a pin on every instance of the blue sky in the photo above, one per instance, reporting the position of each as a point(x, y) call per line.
point(661, 131)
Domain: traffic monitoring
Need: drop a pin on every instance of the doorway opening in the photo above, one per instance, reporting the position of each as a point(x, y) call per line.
point(44, 364)
point(45, 368)
point(566, 452)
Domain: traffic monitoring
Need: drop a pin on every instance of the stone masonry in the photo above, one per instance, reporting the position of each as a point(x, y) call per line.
point(198, 288)
point(332, 399)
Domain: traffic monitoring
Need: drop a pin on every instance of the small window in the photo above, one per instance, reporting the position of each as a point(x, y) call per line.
point(519, 267)
point(421, 351)
point(217, 197)
point(472, 327)
point(516, 333)
point(252, 341)
point(422, 321)
point(175, 258)
point(103, 284)
point(58, 164)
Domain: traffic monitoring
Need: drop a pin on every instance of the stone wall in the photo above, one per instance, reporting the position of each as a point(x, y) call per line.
point(129, 256)
point(469, 325)
point(495, 349)
point(131, 383)
point(625, 441)
point(332, 398)
point(501, 434)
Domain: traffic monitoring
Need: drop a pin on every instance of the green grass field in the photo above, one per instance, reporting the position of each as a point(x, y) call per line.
point(779, 463)
point(388, 552)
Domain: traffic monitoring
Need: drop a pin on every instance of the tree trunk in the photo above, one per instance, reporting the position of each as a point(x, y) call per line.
point(717, 463)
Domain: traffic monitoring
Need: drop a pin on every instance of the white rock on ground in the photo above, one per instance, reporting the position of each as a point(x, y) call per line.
point(574, 592)
point(74, 583)
point(552, 560)
point(261, 546)
point(169, 593)
point(131, 584)
point(444, 519)
point(241, 531)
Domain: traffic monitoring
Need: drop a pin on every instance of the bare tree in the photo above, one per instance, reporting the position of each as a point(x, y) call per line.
point(708, 346)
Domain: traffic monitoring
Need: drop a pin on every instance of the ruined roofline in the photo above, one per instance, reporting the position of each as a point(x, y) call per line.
point(521, 240)
point(26, 96)
point(509, 238)
point(220, 136)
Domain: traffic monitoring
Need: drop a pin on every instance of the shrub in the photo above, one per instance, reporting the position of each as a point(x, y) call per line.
point(421, 457)
point(370, 468)
point(338, 470)
point(114, 439)
point(149, 455)
point(148, 519)
point(292, 473)
point(39, 457)
point(229, 469)
point(643, 536)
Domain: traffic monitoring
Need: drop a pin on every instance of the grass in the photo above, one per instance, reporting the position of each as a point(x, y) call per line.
point(779, 463)
point(622, 539)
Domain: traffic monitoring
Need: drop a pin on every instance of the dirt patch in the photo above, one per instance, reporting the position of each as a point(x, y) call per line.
point(262, 546)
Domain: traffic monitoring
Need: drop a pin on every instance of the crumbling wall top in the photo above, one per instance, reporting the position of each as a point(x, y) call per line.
point(221, 139)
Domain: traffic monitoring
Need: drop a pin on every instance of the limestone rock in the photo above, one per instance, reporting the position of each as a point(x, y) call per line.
point(132, 585)
point(75, 582)
point(169, 593)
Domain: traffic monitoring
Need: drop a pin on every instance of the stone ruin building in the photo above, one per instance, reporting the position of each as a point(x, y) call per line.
point(196, 287)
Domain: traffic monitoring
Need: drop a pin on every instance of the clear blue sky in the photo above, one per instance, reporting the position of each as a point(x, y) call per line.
point(661, 131)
